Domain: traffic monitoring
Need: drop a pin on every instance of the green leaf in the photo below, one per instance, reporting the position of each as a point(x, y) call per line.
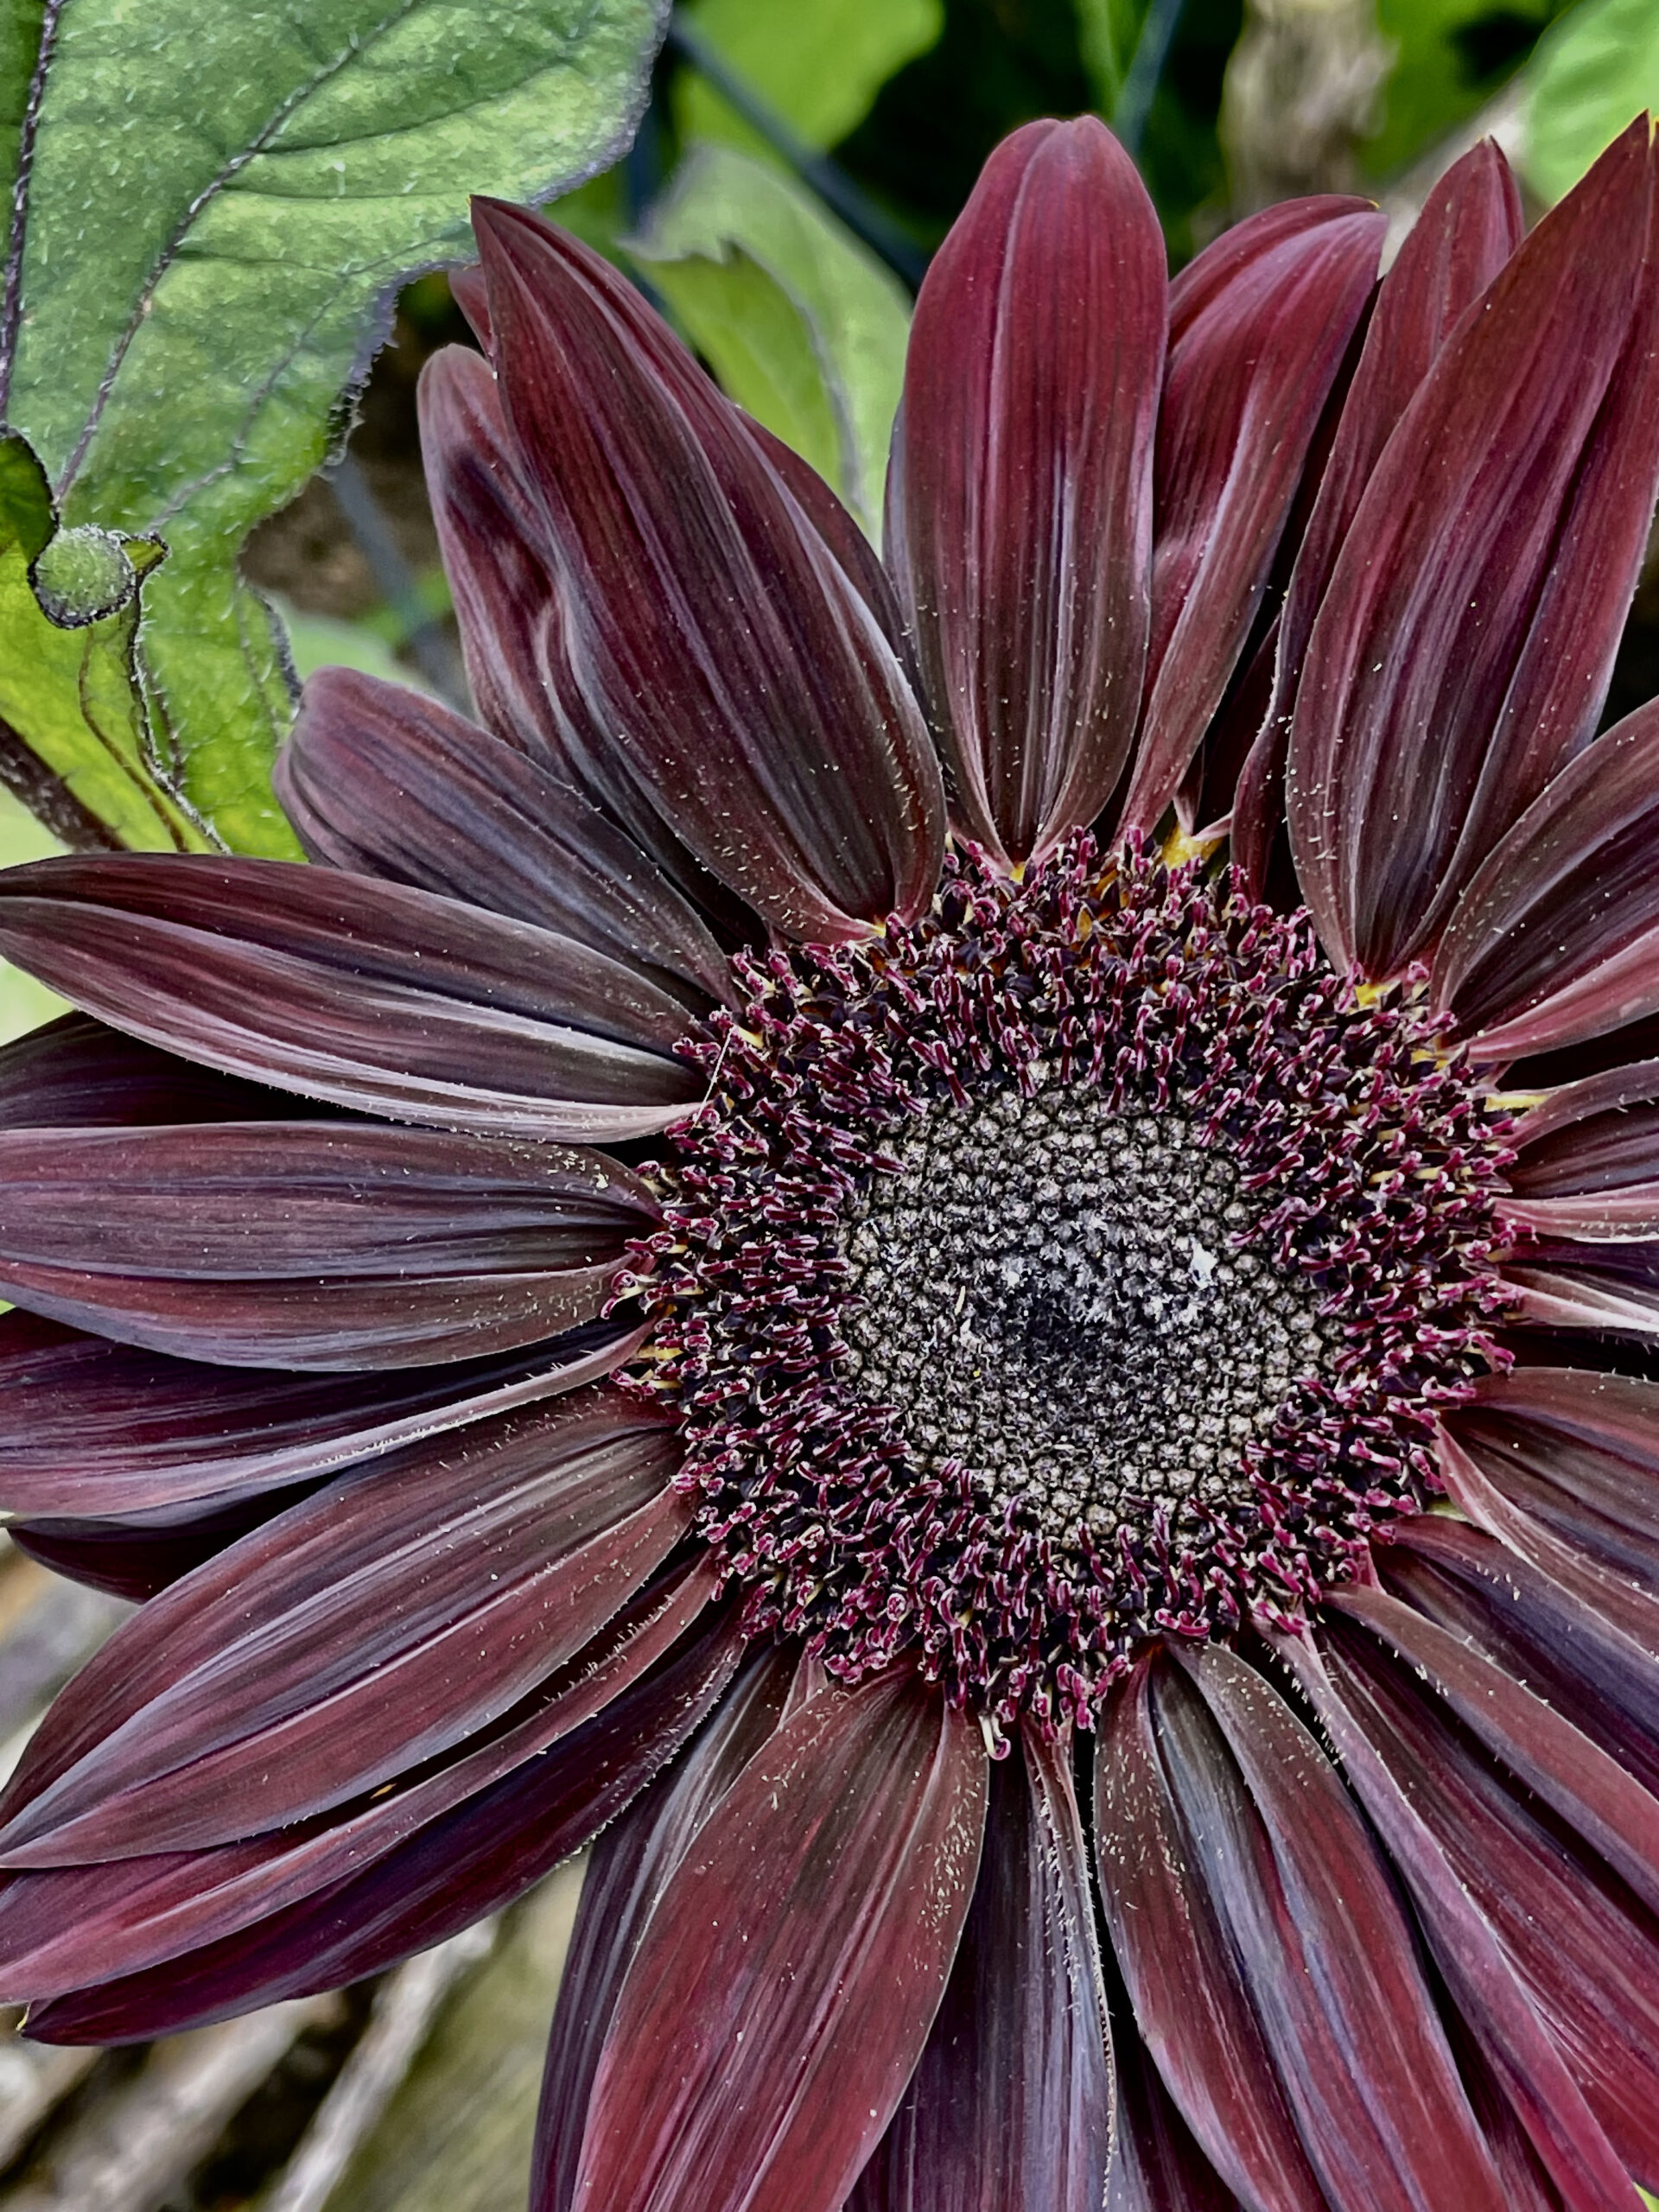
point(20, 41)
point(1444, 72)
point(1593, 72)
point(1107, 33)
point(69, 686)
point(221, 203)
point(24, 1004)
point(817, 63)
point(802, 325)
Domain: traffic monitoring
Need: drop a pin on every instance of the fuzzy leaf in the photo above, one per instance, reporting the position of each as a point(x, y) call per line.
point(220, 203)
point(69, 686)
point(802, 326)
point(1587, 80)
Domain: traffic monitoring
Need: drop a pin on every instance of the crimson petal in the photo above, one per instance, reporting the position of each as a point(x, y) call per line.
point(1554, 1639)
point(1010, 2107)
point(1259, 325)
point(1156, 2165)
point(1633, 1612)
point(1591, 1791)
point(629, 1870)
point(379, 780)
point(1557, 936)
point(454, 1871)
point(1578, 1452)
point(1191, 2006)
point(784, 1987)
point(1610, 1290)
point(1383, 2113)
point(373, 995)
point(76, 1073)
point(1021, 510)
point(515, 615)
point(1466, 637)
point(859, 559)
point(1490, 2001)
point(95, 1428)
point(137, 1557)
point(495, 549)
point(65, 1926)
point(328, 1244)
point(1587, 1160)
point(1471, 224)
point(384, 1619)
point(1326, 1960)
point(1585, 1950)
point(749, 688)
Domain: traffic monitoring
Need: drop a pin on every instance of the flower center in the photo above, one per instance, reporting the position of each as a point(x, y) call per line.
point(1084, 1263)
point(1057, 1296)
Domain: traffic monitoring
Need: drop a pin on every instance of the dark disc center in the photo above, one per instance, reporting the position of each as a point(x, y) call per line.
point(1061, 1299)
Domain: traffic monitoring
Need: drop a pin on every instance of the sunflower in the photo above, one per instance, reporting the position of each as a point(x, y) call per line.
point(963, 1251)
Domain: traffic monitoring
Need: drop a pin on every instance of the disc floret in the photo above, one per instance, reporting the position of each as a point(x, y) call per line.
point(1084, 1261)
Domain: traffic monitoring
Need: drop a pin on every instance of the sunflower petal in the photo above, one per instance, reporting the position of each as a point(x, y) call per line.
point(1471, 224)
point(783, 1990)
point(1382, 2111)
point(371, 994)
point(1023, 481)
point(742, 677)
point(515, 615)
point(1583, 1952)
point(1259, 325)
point(1587, 1159)
point(629, 1870)
point(95, 1428)
point(1590, 1791)
point(1603, 1678)
point(454, 1871)
point(1466, 640)
point(1324, 1956)
point(66, 1926)
point(137, 1557)
point(381, 781)
point(1010, 2107)
point(1556, 938)
point(1156, 2165)
point(1578, 1452)
point(859, 560)
point(1191, 2003)
point(1490, 2001)
point(76, 1073)
point(326, 1245)
point(496, 553)
point(384, 1619)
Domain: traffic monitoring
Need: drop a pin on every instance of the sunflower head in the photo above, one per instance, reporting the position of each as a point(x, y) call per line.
point(960, 1245)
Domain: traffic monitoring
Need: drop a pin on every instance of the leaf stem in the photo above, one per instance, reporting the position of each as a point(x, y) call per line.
point(11, 303)
point(49, 798)
point(1146, 68)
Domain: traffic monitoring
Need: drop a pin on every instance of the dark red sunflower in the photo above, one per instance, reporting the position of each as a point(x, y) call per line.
point(1073, 1492)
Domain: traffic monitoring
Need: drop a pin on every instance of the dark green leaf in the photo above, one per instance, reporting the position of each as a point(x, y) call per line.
point(221, 202)
point(1590, 76)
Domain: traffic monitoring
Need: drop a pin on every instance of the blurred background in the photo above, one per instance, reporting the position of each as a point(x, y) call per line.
point(799, 161)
